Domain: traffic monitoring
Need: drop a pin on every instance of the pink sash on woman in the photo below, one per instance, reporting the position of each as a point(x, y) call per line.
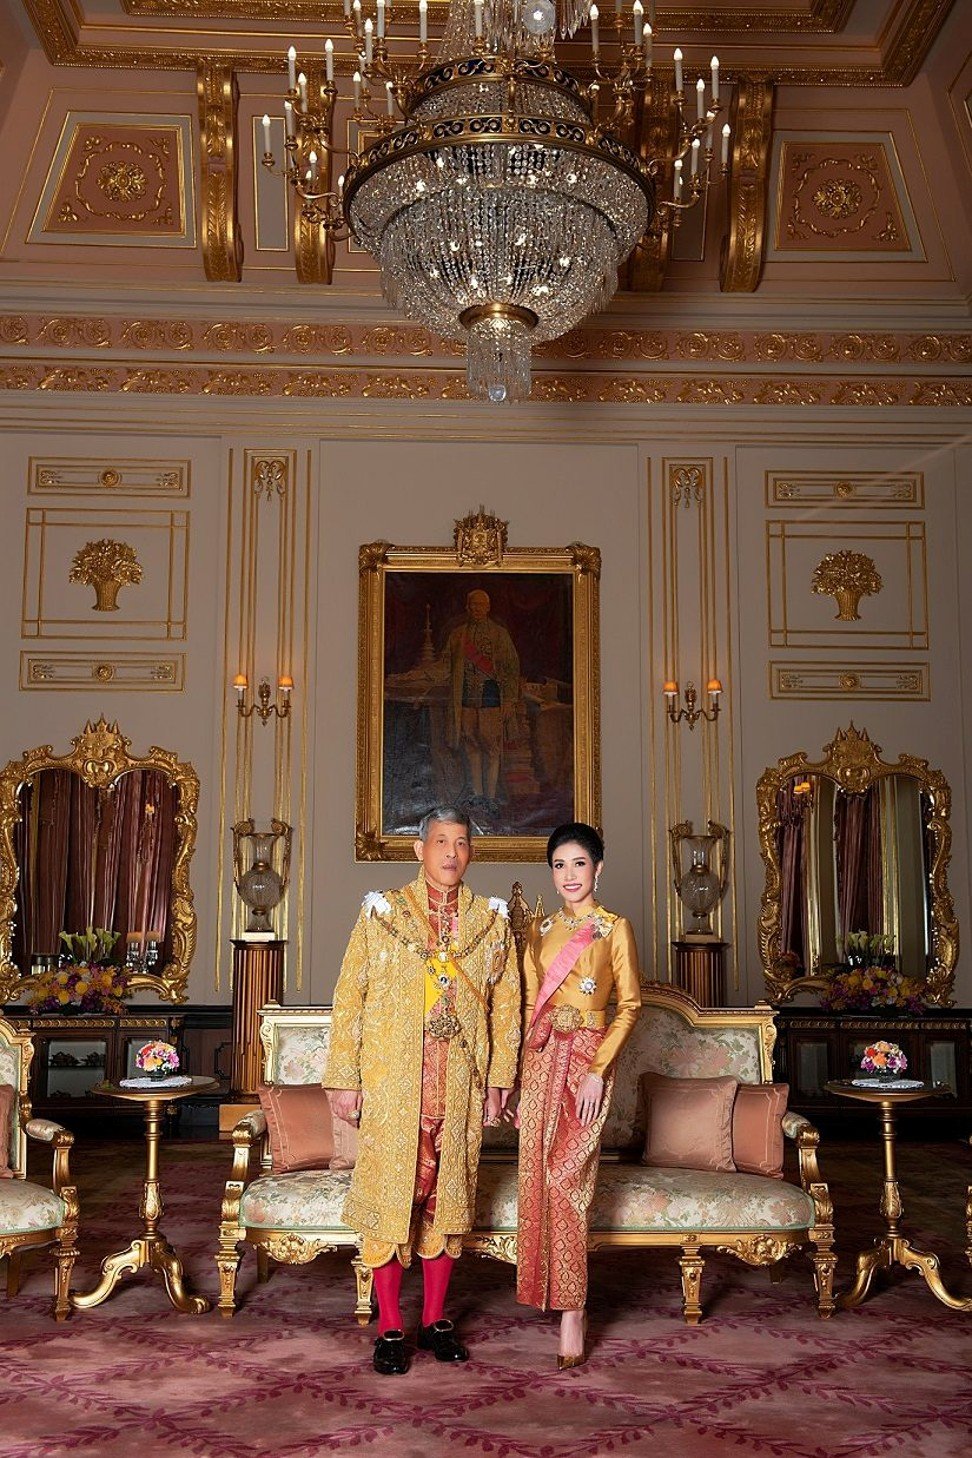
point(561, 966)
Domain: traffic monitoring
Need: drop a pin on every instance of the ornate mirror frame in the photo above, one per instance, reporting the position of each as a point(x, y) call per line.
point(854, 762)
point(99, 755)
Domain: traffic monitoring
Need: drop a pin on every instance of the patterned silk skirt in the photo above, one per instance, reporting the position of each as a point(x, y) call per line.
point(558, 1168)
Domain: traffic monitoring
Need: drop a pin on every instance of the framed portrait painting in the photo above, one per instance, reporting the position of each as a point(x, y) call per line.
point(478, 687)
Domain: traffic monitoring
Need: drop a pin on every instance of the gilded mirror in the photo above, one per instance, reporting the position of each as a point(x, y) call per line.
point(98, 837)
point(854, 845)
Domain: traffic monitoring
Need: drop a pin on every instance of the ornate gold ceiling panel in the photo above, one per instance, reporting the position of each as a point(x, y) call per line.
point(759, 39)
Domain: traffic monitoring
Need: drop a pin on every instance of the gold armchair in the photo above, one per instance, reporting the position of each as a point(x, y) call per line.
point(31, 1215)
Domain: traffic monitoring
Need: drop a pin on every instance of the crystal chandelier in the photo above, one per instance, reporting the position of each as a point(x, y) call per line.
point(499, 197)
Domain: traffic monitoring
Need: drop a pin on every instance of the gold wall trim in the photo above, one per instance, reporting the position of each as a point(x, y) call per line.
point(845, 489)
point(222, 245)
point(173, 338)
point(167, 613)
point(87, 476)
point(751, 119)
point(125, 671)
point(405, 383)
point(793, 622)
point(891, 682)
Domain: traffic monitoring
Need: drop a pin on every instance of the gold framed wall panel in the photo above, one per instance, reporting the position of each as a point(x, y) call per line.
point(846, 489)
point(154, 608)
point(895, 618)
point(124, 671)
point(695, 647)
point(147, 143)
point(90, 475)
point(891, 682)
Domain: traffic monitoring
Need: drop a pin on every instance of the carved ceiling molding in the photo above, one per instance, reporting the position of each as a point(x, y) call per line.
point(821, 17)
point(901, 52)
point(411, 382)
point(171, 339)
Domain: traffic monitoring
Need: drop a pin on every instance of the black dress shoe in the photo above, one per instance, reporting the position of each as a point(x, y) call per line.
point(391, 1358)
point(440, 1338)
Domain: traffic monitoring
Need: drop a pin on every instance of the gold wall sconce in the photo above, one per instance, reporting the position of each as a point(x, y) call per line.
point(262, 707)
point(690, 711)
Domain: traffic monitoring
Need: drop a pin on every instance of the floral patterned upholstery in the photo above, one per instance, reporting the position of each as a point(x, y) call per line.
point(638, 1200)
point(10, 1073)
point(299, 1054)
point(305, 1200)
point(665, 1042)
point(25, 1207)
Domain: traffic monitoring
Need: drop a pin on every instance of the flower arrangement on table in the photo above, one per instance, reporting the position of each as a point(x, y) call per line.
point(86, 978)
point(157, 1059)
point(869, 979)
point(884, 1060)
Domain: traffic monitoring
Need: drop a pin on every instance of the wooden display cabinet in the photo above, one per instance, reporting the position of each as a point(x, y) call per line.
point(72, 1054)
point(814, 1047)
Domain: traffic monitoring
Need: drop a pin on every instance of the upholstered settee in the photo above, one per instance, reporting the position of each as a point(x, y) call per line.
point(34, 1215)
point(761, 1220)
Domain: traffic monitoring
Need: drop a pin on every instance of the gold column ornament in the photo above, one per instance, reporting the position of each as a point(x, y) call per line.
point(645, 269)
point(847, 577)
point(107, 566)
point(219, 96)
point(751, 120)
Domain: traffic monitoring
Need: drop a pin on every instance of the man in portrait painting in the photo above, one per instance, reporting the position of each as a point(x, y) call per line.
point(484, 677)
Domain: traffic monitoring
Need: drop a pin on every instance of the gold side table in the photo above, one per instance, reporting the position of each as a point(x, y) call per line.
point(894, 1247)
point(151, 1247)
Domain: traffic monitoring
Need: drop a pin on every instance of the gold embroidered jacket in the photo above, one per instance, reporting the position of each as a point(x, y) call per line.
point(606, 971)
point(376, 1045)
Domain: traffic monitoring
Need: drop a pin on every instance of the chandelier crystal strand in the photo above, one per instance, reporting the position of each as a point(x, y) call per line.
point(500, 197)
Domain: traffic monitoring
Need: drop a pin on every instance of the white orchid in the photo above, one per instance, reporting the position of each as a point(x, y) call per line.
point(375, 904)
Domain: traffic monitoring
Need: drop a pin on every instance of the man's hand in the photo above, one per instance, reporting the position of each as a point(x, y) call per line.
point(495, 1104)
point(590, 1092)
point(345, 1103)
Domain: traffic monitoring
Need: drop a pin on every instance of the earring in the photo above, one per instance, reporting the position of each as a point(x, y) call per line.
point(597, 879)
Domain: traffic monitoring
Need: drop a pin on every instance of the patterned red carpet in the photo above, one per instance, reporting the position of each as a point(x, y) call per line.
point(290, 1375)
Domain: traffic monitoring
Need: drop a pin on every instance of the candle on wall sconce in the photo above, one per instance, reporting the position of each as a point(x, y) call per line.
point(690, 711)
point(263, 708)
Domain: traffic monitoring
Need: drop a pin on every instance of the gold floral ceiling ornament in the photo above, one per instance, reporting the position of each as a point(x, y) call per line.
point(847, 577)
point(107, 566)
point(498, 193)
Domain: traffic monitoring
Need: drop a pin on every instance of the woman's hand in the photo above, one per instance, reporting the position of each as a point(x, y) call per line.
point(345, 1104)
point(590, 1092)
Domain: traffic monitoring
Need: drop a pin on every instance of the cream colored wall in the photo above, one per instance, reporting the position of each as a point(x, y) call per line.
point(273, 586)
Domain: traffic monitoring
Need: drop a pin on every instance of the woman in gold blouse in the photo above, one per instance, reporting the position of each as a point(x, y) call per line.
point(575, 963)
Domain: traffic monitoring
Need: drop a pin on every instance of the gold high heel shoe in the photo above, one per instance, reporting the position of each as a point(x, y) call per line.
point(563, 1363)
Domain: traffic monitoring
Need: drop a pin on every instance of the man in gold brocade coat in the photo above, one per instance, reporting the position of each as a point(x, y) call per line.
point(424, 1042)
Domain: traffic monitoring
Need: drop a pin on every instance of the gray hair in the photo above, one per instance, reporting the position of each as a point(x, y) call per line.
point(443, 815)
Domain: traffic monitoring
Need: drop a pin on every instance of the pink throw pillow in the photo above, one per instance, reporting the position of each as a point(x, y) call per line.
point(7, 1095)
point(299, 1125)
point(757, 1128)
point(689, 1123)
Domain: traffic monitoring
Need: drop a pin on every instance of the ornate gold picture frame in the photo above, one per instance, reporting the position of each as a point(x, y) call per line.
point(852, 762)
point(478, 685)
point(100, 755)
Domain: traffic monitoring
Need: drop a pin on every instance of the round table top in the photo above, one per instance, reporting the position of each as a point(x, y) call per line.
point(198, 1084)
point(875, 1094)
